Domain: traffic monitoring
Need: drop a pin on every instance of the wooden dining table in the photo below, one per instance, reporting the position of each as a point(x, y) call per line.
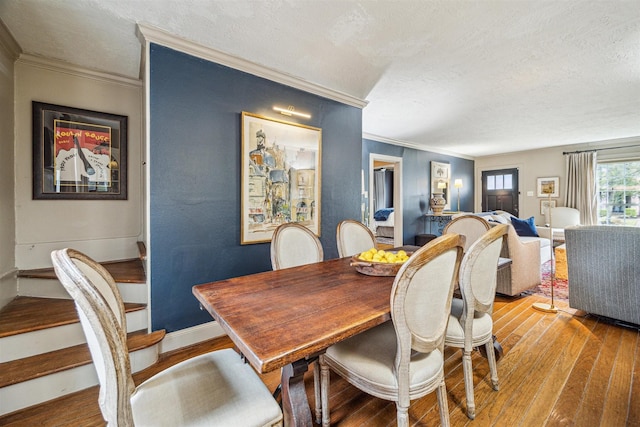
point(282, 318)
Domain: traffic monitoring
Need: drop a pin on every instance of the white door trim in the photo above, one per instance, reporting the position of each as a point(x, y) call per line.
point(397, 193)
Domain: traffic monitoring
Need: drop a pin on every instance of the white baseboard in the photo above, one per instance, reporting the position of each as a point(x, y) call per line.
point(189, 336)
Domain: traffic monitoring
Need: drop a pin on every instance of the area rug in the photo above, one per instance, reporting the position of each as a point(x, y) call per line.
point(560, 286)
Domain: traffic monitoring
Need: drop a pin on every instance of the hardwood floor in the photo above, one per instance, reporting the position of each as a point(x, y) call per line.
point(564, 369)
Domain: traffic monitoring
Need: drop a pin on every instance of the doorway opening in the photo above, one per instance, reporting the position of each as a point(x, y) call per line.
point(391, 167)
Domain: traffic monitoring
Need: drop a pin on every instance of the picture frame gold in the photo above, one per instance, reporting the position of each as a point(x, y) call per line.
point(281, 176)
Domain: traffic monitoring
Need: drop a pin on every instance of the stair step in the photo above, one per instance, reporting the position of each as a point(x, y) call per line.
point(75, 373)
point(30, 326)
point(123, 271)
point(49, 363)
point(28, 314)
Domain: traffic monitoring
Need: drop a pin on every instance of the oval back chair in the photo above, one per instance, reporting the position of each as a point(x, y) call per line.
point(216, 388)
point(353, 237)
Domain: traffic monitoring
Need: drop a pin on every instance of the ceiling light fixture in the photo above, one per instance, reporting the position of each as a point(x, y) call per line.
point(291, 111)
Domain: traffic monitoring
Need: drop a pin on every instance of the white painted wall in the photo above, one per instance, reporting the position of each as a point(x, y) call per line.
point(8, 52)
point(546, 162)
point(105, 230)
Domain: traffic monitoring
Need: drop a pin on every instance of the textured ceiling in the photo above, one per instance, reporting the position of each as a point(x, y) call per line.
point(468, 77)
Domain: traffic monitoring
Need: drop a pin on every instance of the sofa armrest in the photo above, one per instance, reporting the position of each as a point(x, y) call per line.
point(543, 231)
point(525, 264)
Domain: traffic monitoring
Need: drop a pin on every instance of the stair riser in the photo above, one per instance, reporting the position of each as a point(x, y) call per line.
point(33, 392)
point(47, 288)
point(37, 342)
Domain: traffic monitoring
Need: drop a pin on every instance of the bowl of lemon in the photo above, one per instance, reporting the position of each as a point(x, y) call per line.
point(378, 262)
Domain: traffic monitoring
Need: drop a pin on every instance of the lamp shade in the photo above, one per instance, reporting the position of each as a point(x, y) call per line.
point(457, 183)
point(442, 184)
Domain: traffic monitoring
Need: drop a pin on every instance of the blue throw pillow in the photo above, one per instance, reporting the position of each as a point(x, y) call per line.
point(524, 227)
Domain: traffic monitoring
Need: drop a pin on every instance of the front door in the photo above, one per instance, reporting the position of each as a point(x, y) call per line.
point(500, 190)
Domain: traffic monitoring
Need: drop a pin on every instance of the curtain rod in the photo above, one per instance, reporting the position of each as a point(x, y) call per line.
point(600, 149)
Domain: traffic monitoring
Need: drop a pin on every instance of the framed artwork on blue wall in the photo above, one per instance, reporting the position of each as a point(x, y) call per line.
point(78, 154)
point(280, 176)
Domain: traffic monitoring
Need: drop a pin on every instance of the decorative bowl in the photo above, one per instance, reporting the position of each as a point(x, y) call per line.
point(373, 268)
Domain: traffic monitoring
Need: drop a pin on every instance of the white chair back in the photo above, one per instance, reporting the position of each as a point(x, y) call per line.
point(353, 237)
point(294, 244)
point(102, 316)
point(478, 272)
point(470, 226)
point(422, 293)
point(562, 217)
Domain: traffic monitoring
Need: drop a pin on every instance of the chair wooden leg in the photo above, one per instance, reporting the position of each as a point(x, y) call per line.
point(316, 390)
point(402, 416)
point(443, 405)
point(468, 383)
point(493, 367)
point(324, 392)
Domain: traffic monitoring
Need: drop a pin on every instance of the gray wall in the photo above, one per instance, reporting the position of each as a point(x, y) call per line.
point(195, 177)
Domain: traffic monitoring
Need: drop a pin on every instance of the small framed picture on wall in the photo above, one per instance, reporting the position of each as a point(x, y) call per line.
point(545, 205)
point(549, 187)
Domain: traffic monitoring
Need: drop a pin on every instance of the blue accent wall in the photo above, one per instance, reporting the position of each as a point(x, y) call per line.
point(416, 176)
point(195, 175)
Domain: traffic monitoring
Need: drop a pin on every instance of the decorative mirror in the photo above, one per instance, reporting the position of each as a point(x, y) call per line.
point(440, 176)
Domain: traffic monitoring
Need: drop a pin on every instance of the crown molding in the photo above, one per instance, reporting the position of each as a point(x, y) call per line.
point(8, 42)
point(75, 70)
point(414, 146)
point(149, 33)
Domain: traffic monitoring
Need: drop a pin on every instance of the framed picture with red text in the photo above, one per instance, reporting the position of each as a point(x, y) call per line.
point(78, 154)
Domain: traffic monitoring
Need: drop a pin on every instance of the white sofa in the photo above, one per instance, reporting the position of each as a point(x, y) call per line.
point(527, 254)
point(505, 218)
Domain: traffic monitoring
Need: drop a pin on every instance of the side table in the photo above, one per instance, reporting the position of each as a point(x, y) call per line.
point(437, 223)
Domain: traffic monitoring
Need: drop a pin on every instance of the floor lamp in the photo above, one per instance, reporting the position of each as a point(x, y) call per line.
point(458, 184)
point(543, 306)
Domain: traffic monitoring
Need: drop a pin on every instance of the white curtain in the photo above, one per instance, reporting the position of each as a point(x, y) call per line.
point(581, 187)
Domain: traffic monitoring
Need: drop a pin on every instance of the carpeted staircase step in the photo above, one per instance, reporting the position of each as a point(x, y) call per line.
point(27, 314)
point(48, 363)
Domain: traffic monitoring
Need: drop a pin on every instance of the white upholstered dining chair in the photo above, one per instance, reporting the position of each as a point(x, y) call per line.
point(353, 237)
point(216, 388)
point(292, 245)
point(470, 323)
point(470, 226)
point(402, 360)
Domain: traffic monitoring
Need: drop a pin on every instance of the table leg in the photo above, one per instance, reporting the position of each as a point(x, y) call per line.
point(294, 395)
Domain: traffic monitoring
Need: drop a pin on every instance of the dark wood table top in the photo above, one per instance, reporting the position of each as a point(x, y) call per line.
point(278, 317)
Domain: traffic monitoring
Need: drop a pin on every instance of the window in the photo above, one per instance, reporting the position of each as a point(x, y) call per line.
point(619, 193)
point(500, 182)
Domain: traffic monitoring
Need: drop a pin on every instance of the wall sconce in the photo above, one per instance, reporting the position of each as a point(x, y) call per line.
point(291, 111)
point(458, 184)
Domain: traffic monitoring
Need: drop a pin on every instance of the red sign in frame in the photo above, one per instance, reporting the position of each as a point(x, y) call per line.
point(78, 154)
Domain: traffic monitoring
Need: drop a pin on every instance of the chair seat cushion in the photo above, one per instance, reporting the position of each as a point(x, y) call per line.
point(482, 327)
point(369, 358)
point(216, 388)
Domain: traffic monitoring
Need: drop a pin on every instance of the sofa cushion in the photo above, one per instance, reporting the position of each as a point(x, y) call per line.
point(525, 227)
point(499, 218)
